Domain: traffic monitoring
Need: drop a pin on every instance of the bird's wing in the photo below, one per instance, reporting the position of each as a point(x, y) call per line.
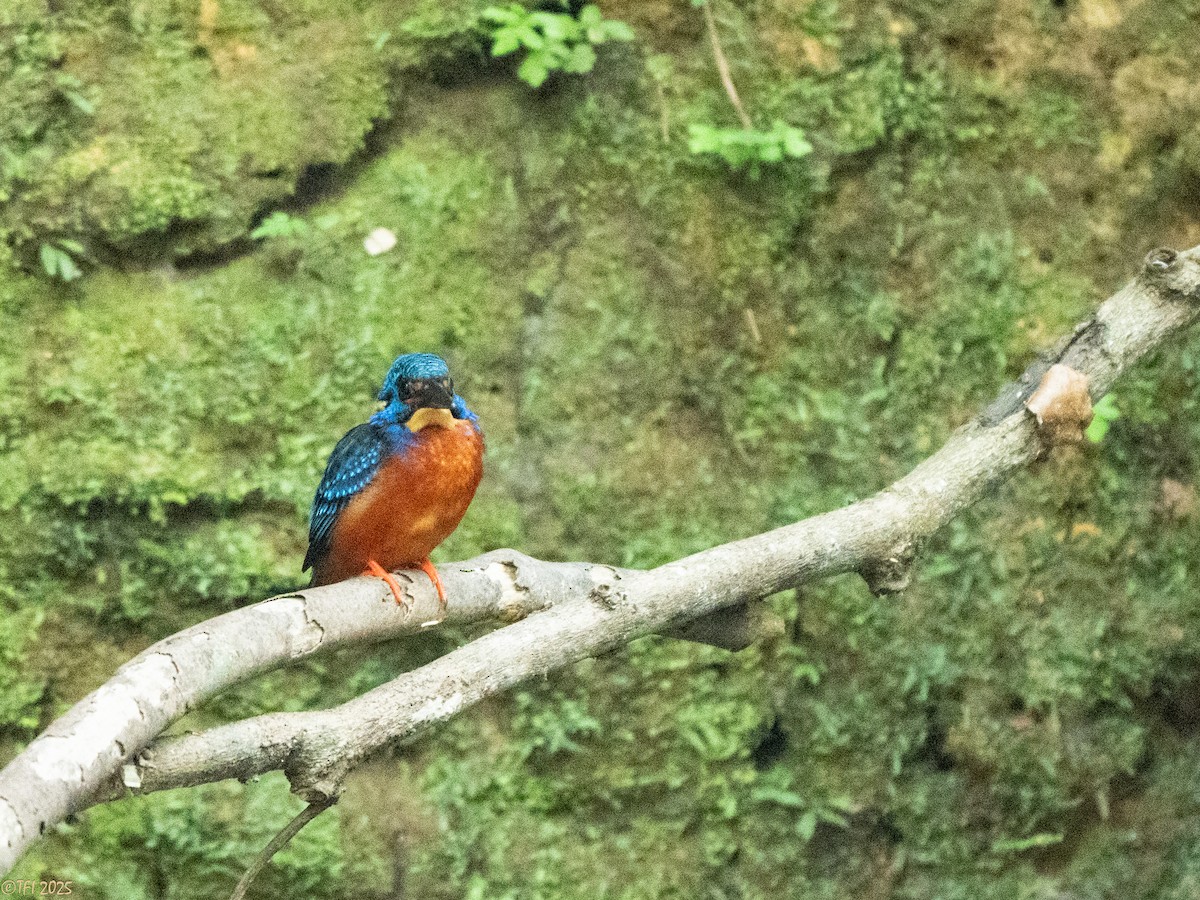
point(352, 465)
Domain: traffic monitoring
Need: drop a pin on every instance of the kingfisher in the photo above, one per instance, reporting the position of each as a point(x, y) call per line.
point(396, 486)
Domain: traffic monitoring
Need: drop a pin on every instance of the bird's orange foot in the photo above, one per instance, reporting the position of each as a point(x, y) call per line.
point(428, 569)
point(374, 568)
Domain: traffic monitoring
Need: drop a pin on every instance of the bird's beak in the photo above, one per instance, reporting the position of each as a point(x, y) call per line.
point(431, 394)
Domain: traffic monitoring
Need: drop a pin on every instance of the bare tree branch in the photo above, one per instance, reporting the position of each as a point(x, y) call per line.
point(574, 610)
point(92, 742)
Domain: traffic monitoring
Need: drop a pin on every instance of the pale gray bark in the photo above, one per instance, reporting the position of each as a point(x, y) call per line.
point(567, 611)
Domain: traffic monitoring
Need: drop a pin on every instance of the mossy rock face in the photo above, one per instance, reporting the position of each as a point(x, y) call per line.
point(165, 130)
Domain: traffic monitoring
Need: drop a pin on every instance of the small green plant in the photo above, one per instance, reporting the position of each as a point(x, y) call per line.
point(72, 90)
point(1104, 413)
point(280, 225)
point(1020, 845)
point(775, 789)
point(58, 259)
point(749, 148)
point(554, 42)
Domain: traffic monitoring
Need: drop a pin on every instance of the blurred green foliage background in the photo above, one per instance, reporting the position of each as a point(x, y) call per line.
point(669, 347)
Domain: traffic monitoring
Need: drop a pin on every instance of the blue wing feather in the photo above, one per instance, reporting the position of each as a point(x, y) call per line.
point(352, 465)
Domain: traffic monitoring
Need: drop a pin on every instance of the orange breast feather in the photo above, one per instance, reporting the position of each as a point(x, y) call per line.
point(411, 505)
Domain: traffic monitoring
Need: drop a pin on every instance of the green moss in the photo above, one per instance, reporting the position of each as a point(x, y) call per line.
point(21, 688)
point(168, 130)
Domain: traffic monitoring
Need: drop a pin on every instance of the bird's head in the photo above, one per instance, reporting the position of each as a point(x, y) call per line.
point(417, 381)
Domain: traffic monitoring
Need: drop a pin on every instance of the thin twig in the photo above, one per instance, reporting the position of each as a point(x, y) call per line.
point(723, 66)
point(290, 830)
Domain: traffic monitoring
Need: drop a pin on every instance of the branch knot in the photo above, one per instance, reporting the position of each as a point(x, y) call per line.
point(604, 591)
point(1061, 405)
point(1161, 258)
point(1173, 273)
point(890, 574)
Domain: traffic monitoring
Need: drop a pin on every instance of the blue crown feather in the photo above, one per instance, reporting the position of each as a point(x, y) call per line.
point(412, 366)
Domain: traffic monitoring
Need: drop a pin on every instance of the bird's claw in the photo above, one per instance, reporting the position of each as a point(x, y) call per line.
point(378, 571)
point(428, 568)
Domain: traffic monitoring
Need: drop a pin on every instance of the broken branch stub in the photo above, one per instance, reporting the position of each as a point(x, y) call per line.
point(1061, 405)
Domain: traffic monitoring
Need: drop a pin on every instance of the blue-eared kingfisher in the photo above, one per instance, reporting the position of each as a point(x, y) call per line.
point(396, 486)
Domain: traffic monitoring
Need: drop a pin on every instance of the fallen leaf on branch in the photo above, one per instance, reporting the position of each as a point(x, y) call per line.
point(1061, 405)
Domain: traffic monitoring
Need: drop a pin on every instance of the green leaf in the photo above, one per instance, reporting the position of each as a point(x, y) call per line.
point(1018, 845)
point(830, 817)
point(533, 70)
point(49, 257)
point(505, 41)
point(806, 826)
point(530, 37)
point(843, 803)
point(279, 224)
point(556, 27)
point(71, 89)
point(701, 139)
point(782, 798)
point(80, 102)
point(1104, 413)
point(795, 144)
point(65, 266)
point(67, 270)
point(582, 59)
point(590, 15)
